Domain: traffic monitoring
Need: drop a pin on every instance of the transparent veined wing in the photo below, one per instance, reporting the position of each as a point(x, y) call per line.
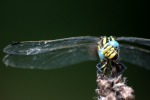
point(136, 40)
point(36, 47)
point(52, 54)
point(133, 53)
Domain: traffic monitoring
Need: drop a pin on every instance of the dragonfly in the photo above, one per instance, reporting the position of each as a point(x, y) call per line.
point(52, 54)
point(108, 51)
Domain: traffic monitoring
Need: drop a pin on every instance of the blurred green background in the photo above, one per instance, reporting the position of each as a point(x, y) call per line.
point(51, 19)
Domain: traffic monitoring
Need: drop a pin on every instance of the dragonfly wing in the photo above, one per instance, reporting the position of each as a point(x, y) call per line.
point(37, 47)
point(135, 55)
point(136, 40)
point(53, 59)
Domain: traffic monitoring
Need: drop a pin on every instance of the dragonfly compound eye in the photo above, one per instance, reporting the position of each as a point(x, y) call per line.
point(114, 43)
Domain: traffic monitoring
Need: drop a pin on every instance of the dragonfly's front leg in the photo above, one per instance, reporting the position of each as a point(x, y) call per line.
point(101, 67)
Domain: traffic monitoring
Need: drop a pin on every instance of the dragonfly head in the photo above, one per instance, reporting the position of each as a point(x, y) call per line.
point(109, 51)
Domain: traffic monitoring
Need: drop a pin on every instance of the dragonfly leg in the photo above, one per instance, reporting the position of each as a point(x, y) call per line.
point(98, 68)
point(101, 67)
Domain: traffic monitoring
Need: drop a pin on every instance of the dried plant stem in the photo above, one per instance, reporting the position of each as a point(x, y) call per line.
point(113, 88)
